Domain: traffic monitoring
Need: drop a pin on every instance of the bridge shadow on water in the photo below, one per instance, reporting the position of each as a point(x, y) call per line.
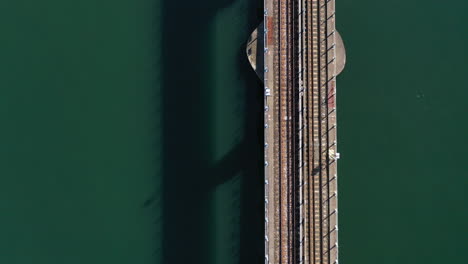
point(188, 175)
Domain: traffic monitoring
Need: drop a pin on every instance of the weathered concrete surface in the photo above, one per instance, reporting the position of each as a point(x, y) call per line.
point(340, 54)
point(254, 50)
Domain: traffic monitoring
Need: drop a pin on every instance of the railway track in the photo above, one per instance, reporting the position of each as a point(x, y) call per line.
point(304, 185)
point(285, 131)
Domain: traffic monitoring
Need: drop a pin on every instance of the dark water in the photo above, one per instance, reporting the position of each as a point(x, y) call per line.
point(212, 128)
point(403, 132)
point(131, 132)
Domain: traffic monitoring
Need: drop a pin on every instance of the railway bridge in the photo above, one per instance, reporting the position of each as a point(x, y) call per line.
point(302, 54)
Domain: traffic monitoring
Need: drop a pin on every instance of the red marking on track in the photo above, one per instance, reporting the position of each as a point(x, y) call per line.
point(270, 28)
point(331, 91)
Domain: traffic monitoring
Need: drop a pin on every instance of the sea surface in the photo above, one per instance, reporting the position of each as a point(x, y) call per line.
point(131, 132)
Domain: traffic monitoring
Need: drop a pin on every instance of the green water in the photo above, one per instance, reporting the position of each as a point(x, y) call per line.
point(125, 131)
point(403, 132)
point(131, 132)
point(76, 110)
